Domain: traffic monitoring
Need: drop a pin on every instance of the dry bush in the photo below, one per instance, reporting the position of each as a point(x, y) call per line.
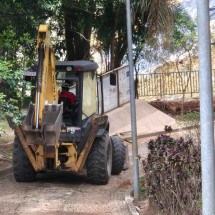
point(173, 175)
point(175, 107)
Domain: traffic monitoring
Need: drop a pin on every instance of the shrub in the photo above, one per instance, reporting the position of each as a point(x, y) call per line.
point(173, 175)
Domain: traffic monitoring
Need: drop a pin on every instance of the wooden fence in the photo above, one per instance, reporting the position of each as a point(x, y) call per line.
point(169, 83)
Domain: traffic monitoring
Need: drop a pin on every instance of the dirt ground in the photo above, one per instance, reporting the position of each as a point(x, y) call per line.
point(6, 145)
point(66, 193)
point(69, 194)
point(62, 194)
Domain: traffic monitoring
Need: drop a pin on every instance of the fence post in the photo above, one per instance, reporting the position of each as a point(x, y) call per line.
point(117, 84)
point(102, 95)
point(191, 88)
point(160, 86)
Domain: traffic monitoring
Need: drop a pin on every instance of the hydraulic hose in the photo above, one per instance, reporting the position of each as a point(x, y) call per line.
point(41, 55)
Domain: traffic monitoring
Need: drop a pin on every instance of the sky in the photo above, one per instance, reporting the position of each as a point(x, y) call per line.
point(191, 7)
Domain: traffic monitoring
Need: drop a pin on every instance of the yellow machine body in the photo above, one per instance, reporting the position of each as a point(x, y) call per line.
point(31, 134)
point(48, 92)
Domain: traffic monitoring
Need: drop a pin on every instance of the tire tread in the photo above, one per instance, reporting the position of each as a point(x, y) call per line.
point(118, 155)
point(97, 161)
point(22, 168)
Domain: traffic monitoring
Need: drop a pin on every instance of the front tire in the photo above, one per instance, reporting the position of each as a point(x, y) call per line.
point(99, 161)
point(22, 168)
point(118, 155)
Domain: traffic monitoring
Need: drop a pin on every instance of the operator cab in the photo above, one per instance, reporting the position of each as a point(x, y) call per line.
point(80, 79)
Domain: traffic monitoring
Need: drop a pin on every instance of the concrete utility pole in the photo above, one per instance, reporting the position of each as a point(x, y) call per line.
point(206, 109)
point(132, 105)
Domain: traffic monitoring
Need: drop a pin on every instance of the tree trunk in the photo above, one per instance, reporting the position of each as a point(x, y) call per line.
point(136, 82)
point(77, 35)
point(112, 53)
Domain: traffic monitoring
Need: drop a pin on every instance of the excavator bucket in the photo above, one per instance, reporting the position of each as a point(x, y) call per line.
point(49, 132)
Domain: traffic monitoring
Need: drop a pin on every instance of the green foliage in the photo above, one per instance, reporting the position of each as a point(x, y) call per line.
point(150, 19)
point(182, 40)
point(185, 30)
point(19, 22)
point(173, 175)
point(191, 118)
point(76, 21)
point(12, 91)
point(79, 17)
point(2, 97)
point(1, 131)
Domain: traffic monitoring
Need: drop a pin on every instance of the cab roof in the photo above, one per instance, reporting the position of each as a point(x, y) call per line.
point(82, 65)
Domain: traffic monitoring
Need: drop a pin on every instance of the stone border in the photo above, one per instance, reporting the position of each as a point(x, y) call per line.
point(129, 201)
point(127, 136)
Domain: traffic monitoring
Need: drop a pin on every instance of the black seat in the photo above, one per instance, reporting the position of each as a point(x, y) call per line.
point(67, 106)
point(69, 115)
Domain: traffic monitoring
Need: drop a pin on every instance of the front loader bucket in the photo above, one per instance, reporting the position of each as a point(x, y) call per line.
point(49, 132)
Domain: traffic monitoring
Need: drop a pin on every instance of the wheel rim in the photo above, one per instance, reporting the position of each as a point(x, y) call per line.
point(109, 159)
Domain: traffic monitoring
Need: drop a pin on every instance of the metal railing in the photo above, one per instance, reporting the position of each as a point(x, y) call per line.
point(169, 83)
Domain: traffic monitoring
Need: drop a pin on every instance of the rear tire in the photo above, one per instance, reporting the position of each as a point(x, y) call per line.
point(118, 155)
point(99, 161)
point(22, 168)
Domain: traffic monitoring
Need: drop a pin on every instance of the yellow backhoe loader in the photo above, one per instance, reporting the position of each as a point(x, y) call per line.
point(61, 137)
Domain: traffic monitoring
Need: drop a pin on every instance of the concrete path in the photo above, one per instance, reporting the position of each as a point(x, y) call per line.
point(149, 119)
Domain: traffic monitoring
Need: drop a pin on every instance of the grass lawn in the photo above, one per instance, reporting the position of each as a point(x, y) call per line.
point(188, 119)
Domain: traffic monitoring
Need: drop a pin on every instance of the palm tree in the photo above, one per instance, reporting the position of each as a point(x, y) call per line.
point(107, 20)
point(158, 15)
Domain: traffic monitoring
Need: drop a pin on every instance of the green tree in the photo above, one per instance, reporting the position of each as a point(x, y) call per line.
point(75, 22)
point(184, 47)
point(79, 17)
point(150, 19)
point(184, 40)
point(18, 30)
point(105, 20)
point(13, 90)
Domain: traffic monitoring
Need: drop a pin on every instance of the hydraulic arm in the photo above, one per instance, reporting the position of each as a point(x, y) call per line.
point(46, 90)
point(42, 124)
